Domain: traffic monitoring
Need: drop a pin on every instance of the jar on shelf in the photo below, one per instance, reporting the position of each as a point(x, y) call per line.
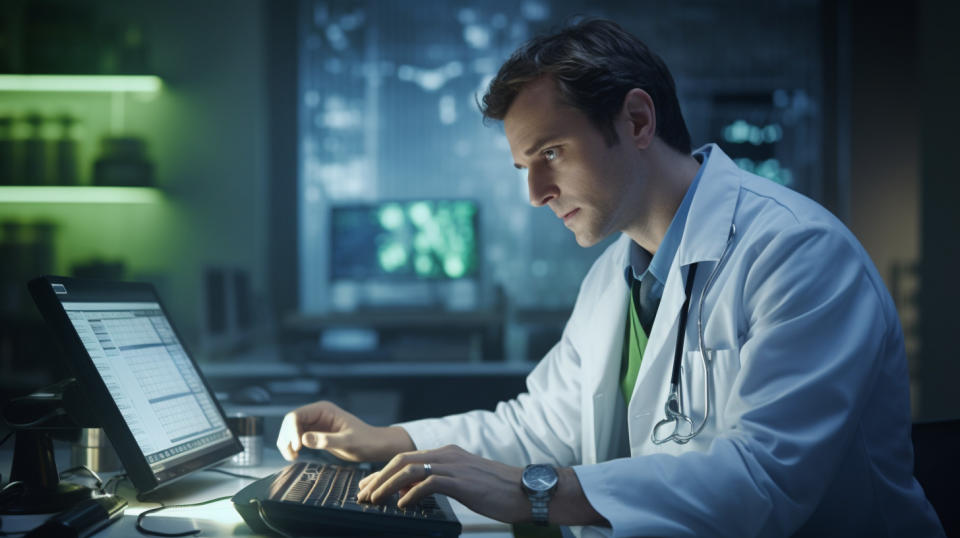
point(123, 163)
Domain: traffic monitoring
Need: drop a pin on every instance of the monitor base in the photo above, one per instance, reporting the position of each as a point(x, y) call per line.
point(31, 499)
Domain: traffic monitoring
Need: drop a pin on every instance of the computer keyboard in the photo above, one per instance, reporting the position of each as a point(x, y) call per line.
point(320, 499)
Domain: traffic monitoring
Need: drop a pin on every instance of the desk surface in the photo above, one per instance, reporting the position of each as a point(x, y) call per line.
point(216, 519)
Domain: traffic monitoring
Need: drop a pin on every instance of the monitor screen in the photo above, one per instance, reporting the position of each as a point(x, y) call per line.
point(153, 401)
point(415, 239)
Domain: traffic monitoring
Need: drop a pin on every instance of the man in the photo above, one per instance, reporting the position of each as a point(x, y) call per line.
point(792, 411)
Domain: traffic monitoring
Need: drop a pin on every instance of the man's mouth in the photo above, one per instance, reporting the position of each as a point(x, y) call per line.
point(569, 215)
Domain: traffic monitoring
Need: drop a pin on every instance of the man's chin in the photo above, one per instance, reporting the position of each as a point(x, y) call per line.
point(586, 241)
point(589, 238)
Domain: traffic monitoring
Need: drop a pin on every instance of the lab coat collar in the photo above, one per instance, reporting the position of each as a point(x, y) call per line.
point(711, 210)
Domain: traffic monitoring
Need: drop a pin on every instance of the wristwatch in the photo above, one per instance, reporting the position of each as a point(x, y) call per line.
point(539, 482)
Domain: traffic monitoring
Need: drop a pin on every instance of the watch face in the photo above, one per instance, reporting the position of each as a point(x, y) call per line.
point(540, 477)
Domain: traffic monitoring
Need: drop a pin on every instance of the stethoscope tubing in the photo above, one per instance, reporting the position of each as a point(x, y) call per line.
point(675, 396)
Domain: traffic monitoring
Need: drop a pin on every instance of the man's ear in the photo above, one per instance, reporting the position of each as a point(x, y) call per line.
point(641, 118)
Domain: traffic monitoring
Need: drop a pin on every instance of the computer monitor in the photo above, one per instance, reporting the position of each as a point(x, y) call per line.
point(152, 401)
point(404, 240)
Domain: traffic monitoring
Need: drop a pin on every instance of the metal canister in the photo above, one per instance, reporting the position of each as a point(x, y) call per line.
point(94, 450)
point(249, 430)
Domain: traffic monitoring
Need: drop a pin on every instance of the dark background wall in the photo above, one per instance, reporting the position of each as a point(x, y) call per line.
point(884, 146)
point(904, 83)
point(939, 82)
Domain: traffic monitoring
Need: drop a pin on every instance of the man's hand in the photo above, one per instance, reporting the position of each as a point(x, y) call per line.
point(325, 426)
point(485, 486)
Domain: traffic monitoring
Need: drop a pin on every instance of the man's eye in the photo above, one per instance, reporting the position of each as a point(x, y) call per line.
point(550, 154)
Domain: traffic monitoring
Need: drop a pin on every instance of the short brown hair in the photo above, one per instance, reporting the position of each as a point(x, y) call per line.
point(594, 64)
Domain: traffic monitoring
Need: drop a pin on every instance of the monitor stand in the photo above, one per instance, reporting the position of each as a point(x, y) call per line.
point(35, 486)
point(40, 490)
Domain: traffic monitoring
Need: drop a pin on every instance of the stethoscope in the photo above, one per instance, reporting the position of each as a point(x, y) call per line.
point(677, 421)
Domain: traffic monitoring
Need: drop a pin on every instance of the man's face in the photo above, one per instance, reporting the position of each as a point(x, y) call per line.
point(570, 168)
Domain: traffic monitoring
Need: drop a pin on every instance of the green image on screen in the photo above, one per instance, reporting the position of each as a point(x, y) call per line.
point(426, 239)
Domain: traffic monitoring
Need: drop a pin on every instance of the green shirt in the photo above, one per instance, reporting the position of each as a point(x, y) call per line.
point(634, 344)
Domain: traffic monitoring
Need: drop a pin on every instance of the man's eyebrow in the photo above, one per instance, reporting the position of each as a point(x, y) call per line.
point(540, 143)
point(537, 146)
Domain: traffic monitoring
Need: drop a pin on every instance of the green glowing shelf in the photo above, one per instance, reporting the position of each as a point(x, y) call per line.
point(81, 83)
point(80, 195)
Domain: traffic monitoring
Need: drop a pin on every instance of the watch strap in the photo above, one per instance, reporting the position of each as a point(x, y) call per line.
point(539, 503)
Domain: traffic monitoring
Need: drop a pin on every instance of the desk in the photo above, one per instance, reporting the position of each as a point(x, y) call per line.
point(216, 519)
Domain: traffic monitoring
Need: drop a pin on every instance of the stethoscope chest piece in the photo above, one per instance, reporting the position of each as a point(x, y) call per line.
point(677, 426)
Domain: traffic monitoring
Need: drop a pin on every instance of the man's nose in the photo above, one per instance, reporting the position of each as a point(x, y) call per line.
point(542, 188)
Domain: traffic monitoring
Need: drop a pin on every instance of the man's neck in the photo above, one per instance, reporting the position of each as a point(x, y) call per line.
point(670, 176)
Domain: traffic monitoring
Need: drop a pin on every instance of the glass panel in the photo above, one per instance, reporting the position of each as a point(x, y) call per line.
point(387, 103)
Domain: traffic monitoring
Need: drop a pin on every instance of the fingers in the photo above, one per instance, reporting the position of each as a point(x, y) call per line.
point(366, 480)
point(327, 441)
point(344, 445)
point(404, 470)
point(446, 454)
point(379, 487)
point(410, 475)
point(323, 416)
point(433, 484)
point(487, 487)
point(399, 463)
point(323, 425)
point(319, 416)
point(316, 440)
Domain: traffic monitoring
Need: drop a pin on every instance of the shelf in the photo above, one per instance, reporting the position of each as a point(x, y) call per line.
point(395, 370)
point(80, 195)
point(263, 370)
point(81, 83)
point(390, 318)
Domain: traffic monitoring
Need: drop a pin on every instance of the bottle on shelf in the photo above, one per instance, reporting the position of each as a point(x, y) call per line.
point(41, 248)
point(34, 152)
point(13, 254)
point(6, 151)
point(67, 152)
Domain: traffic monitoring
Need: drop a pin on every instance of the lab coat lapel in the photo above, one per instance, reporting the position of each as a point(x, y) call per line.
point(601, 381)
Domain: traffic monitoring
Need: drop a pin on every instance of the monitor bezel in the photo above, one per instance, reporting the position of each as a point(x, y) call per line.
point(135, 463)
point(349, 204)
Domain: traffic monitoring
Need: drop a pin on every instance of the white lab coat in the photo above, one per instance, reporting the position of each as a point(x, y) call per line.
point(809, 430)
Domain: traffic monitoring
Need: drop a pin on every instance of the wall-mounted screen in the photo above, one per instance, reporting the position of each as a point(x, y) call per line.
point(412, 239)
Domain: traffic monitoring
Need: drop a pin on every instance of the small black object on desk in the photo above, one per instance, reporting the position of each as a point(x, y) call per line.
point(84, 519)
